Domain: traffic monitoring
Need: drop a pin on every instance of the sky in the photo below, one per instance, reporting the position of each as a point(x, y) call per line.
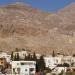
point(45, 5)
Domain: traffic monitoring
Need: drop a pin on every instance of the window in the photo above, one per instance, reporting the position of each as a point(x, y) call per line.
point(13, 70)
point(31, 69)
point(18, 69)
point(25, 69)
point(17, 63)
point(22, 63)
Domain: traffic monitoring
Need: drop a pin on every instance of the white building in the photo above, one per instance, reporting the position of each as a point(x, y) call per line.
point(67, 59)
point(52, 62)
point(21, 53)
point(6, 56)
point(73, 61)
point(24, 67)
point(58, 70)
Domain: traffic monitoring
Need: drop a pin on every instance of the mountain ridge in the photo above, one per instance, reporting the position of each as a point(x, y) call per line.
point(25, 27)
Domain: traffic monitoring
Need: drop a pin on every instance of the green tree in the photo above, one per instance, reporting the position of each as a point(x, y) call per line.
point(41, 64)
point(12, 55)
point(16, 49)
point(66, 64)
point(26, 58)
point(16, 57)
point(53, 54)
point(34, 57)
point(29, 57)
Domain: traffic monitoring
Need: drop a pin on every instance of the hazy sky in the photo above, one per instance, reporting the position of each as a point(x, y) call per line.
point(46, 5)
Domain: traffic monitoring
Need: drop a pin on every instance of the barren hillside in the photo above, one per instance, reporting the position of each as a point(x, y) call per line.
point(22, 26)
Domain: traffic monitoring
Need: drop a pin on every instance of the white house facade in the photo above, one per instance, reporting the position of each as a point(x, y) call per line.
point(24, 67)
point(67, 59)
point(52, 62)
point(21, 53)
point(6, 56)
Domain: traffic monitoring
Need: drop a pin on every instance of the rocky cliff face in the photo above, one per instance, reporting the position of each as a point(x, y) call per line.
point(25, 27)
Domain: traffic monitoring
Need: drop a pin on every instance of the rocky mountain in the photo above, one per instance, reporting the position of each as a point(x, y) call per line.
point(22, 26)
